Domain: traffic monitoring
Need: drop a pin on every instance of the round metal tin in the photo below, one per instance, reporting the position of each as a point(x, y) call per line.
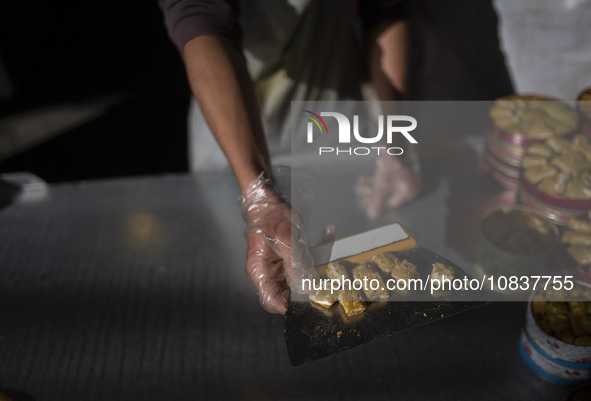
point(493, 259)
point(557, 201)
point(547, 368)
point(567, 355)
point(501, 167)
point(557, 215)
point(502, 153)
point(506, 182)
point(511, 138)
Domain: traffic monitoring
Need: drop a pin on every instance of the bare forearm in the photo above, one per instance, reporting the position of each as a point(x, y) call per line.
point(387, 60)
point(221, 84)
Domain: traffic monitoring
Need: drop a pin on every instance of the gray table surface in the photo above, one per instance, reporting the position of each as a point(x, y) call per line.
point(135, 289)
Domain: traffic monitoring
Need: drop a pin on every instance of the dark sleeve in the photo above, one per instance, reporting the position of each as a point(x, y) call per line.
point(374, 12)
point(186, 19)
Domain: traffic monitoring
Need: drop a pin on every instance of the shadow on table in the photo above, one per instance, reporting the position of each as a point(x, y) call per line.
point(15, 395)
point(8, 192)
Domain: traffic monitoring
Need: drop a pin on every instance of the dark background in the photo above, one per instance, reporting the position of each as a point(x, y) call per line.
point(57, 53)
point(68, 52)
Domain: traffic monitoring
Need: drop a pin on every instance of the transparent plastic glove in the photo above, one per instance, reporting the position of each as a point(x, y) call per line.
point(278, 256)
point(393, 183)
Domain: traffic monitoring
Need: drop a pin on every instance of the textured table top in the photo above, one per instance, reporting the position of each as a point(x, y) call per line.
point(135, 289)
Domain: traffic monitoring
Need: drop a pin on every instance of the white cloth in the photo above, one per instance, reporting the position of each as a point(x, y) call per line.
point(547, 45)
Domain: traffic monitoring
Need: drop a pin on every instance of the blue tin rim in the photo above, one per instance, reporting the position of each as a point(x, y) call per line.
point(544, 375)
point(570, 365)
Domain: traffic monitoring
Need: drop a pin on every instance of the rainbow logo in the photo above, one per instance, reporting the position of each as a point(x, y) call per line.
point(316, 119)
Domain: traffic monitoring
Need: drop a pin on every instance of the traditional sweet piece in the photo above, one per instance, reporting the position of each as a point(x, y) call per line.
point(405, 270)
point(323, 297)
point(386, 261)
point(440, 271)
point(366, 273)
point(350, 299)
point(565, 172)
point(564, 314)
point(535, 117)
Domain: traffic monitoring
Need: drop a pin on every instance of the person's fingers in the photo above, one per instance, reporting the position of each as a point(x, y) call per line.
point(269, 283)
point(397, 199)
point(375, 203)
point(266, 273)
point(405, 189)
point(299, 266)
point(374, 209)
point(297, 260)
point(273, 296)
point(370, 195)
point(364, 187)
point(328, 234)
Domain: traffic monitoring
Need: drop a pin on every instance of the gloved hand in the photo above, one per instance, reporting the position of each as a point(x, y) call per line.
point(393, 183)
point(278, 257)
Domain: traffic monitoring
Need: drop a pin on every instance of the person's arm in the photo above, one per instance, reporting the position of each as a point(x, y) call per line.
point(385, 33)
point(220, 82)
point(387, 58)
point(208, 35)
